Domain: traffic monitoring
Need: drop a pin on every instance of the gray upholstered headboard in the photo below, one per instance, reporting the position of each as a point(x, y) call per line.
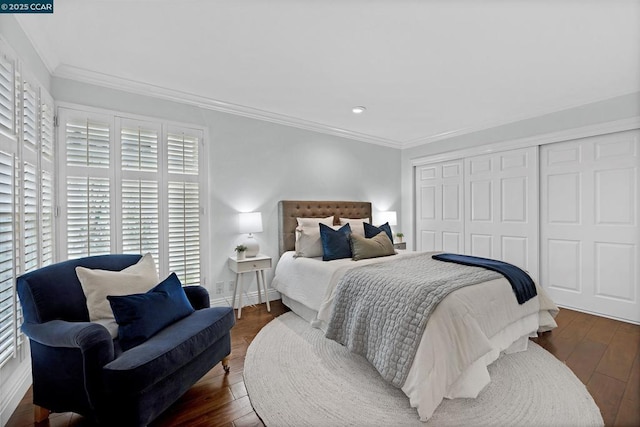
point(289, 210)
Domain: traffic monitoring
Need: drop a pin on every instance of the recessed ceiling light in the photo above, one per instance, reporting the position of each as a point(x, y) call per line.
point(358, 110)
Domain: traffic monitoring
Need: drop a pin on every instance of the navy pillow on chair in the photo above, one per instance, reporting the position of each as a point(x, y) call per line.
point(335, 243)
point(140, 316)
point(372, 231)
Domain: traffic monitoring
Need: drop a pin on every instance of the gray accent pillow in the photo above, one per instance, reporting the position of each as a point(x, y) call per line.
point(377, 246)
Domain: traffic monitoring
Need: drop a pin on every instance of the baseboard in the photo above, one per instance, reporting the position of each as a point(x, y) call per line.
point(15, 390)
point(248, 298)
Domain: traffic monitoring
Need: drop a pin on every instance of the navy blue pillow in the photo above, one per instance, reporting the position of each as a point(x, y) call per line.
point(372, 231)
point(140, 316)
point(335, 243)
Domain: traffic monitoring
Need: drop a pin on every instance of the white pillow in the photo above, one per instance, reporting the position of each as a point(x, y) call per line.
point(356, 224)
point(97, 284)
point(308, 243)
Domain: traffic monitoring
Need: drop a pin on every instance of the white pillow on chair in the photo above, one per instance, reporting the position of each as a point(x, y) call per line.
point(97, 284)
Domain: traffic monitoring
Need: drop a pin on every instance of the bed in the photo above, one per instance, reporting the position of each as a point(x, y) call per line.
point(467, 331)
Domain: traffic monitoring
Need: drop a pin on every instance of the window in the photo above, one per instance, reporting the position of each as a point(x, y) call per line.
point(26, 197)
point(125, 179)
point(184, 206)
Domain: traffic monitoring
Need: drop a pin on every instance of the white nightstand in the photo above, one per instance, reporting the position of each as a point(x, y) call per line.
point(259, 264)
point(400, 245)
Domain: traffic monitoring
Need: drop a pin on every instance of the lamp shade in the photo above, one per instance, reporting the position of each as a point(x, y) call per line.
point(388, 216)
point(250, 222)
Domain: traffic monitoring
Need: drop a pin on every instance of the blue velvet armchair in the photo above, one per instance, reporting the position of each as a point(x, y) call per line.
point(78, 367)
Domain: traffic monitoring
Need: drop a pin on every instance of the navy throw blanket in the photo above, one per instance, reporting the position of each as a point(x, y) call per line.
point(521, 283)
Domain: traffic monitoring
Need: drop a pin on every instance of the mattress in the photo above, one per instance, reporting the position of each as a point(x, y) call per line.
point(468, 330)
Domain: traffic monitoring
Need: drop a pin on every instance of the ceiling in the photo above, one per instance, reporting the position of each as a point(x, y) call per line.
point(425, 70)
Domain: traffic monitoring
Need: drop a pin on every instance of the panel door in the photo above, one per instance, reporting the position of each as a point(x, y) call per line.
point(439, 211)
point(501, 207)
point(589, 223)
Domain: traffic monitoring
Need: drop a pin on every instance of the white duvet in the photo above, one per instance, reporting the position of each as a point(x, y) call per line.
point(465, 333)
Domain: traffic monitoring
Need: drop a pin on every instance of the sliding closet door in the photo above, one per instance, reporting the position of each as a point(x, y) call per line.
point(439, 211)
point(589, 223)
point(501, 207)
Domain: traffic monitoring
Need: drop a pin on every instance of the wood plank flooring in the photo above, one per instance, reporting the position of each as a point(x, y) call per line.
point(603, 353)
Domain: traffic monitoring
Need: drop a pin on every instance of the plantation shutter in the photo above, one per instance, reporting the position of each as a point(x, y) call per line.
point(88, 187)
point(30, 224)
point(30, 117)
point(88, 216)
point(26, 191)
point(47, 217)
point(139, 147)
point(46, 180)
point(130, 186)
point(7, 297)
point(46, 129)
point(184, 205)
point(140, 217)
point(139, 187)
point(87, 143)
point(7, 103)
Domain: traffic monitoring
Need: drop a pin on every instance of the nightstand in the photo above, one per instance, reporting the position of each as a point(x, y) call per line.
point(401, 245)
point(259, 264)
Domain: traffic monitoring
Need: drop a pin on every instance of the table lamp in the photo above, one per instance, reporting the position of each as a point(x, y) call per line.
point(250, 222)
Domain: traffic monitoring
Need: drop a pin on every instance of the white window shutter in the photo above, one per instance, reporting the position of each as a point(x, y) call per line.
point(46, 129)
point(139, 147)
point(47, 217)
point(87, 143)
point(182, 153)
point(184, 231)
point(7, 101)
point(88, 216)
point(30, 225)
point(8, 327)
point(140, 217)
point(29, 116)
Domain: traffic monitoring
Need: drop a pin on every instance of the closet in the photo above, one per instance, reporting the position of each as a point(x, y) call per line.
point(566, 212)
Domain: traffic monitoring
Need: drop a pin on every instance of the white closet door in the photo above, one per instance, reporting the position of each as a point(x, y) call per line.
point(589, 215)
point(439, 211)
point(501, 207)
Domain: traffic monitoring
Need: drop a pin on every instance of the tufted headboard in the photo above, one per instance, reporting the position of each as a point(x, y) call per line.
point(289, 210)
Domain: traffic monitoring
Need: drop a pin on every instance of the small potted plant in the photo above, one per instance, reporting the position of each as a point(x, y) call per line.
point(240, 250)
point(399, 236)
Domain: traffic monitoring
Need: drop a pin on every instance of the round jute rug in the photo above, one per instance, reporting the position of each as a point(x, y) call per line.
point(297, 377)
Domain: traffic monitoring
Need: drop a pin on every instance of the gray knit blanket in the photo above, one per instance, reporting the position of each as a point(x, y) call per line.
point(381, 310)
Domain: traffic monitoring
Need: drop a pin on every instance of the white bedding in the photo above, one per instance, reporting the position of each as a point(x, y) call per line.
point(466, 332)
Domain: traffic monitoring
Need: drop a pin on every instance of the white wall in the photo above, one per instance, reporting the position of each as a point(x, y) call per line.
point(253, 164)
point(618, 108)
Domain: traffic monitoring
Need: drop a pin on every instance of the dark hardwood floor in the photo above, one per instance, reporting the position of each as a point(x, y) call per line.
point(603, 353)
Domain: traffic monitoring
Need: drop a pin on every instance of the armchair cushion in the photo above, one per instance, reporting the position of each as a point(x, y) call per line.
point(140, 316)
point(166, 352)
point(97, 284)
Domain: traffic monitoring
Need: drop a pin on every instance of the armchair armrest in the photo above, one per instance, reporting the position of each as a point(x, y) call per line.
point(68, 355)
point(59, 333)
point(198, 297)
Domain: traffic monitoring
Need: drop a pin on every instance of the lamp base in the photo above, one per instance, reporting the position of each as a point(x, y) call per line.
point(252, 246)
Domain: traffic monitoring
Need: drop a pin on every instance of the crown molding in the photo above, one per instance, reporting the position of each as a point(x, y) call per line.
point(86, 76)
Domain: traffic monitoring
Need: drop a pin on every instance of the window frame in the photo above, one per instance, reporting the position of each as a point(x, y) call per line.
point(119, 120)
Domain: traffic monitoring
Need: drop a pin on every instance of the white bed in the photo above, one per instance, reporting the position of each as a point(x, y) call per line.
point(466, 332)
